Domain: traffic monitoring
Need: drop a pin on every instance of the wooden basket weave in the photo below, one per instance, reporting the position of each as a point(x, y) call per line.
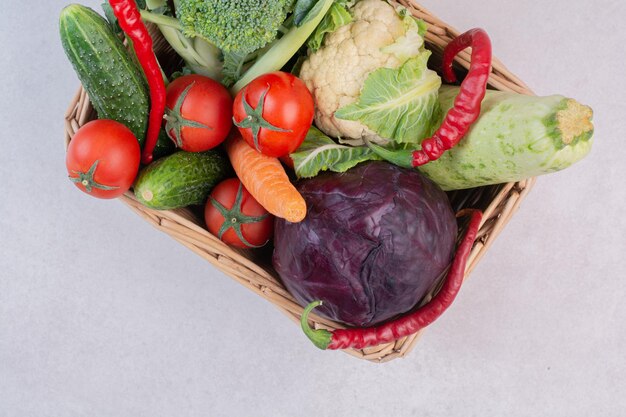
point(254, 270)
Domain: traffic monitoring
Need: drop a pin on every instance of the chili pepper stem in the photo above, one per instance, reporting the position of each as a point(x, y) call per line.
point(320, 337)
point(400, 158)
point(359, 338)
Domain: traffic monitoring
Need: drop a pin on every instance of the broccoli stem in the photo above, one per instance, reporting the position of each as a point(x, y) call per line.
point(199, 55)
point(283, 49)
point(161, 20)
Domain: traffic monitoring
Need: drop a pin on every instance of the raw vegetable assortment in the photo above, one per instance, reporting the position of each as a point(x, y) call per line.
point(283, 89)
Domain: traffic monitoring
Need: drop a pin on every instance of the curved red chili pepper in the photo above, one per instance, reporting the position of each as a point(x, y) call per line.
point(359, 338)
point(129, 19)
point(466, 107)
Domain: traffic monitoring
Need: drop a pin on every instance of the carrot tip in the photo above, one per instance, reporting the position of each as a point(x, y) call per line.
point(295, 215)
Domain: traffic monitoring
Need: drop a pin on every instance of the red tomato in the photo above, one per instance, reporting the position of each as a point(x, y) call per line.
point(103, 158)
point(274, 113)
point(198, 112)
point(233, 215)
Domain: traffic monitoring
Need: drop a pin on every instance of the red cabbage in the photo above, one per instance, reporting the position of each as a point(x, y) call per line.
point(374, 241)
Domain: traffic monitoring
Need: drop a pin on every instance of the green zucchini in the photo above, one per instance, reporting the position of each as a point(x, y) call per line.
point(180, 179)
point(516, 137)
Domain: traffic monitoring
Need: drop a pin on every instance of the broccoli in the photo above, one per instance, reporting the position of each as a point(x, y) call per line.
point(200, 56)
point(239, 26)
point(237, 68)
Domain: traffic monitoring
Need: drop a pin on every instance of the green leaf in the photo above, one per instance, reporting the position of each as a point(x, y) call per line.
point(185, 70)
point(141, 4)
point(233, 69)
point(398, 104)
point(156, 6)
point(411, 44)
point(306, 10)
point(409, 20)
point(110, 16)
point(301, 9)
point(295, 70)
point(336, 17)
point(165, 10)
point(422, 26)
point(319, 153)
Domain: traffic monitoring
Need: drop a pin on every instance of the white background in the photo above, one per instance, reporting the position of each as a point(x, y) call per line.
point(102, 315)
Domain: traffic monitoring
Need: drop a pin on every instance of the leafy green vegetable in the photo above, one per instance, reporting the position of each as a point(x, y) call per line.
point(336, 17)
point(319, 153)
point(399, 104)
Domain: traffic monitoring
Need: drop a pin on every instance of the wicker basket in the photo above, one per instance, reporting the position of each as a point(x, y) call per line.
point(254, 270)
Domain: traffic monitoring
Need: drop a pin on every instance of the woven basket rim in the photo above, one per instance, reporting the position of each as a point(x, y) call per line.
point(186, 228)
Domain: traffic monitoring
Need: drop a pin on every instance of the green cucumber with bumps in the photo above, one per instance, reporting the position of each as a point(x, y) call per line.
point(114, 82)
point(181, 179)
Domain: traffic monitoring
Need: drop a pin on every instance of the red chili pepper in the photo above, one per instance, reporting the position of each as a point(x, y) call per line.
point(129, 19)
point(466, 107)
point(359, 338)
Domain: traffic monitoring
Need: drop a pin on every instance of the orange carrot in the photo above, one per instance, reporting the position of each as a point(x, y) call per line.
point(265, 178)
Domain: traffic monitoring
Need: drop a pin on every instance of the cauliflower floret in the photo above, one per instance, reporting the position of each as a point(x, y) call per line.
point(335, 73)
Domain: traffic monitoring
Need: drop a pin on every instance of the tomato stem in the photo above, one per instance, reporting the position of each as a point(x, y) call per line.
point(88, 181)
point(237, 218)
point(175, 121)
point(254, 119)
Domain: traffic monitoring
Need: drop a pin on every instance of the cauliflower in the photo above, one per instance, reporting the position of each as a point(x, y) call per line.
point(378, 37)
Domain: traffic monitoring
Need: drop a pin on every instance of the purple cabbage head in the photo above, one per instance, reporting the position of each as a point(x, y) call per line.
point(374, 241)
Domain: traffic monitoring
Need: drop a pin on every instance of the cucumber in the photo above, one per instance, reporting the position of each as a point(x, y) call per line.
point(180, 179)
point(114, 83)
point(516, 137)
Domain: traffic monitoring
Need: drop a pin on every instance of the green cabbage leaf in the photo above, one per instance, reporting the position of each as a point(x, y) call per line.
point(398, 104)
point(319, 153)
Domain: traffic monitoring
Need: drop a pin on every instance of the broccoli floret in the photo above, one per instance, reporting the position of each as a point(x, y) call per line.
point(240, 26)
